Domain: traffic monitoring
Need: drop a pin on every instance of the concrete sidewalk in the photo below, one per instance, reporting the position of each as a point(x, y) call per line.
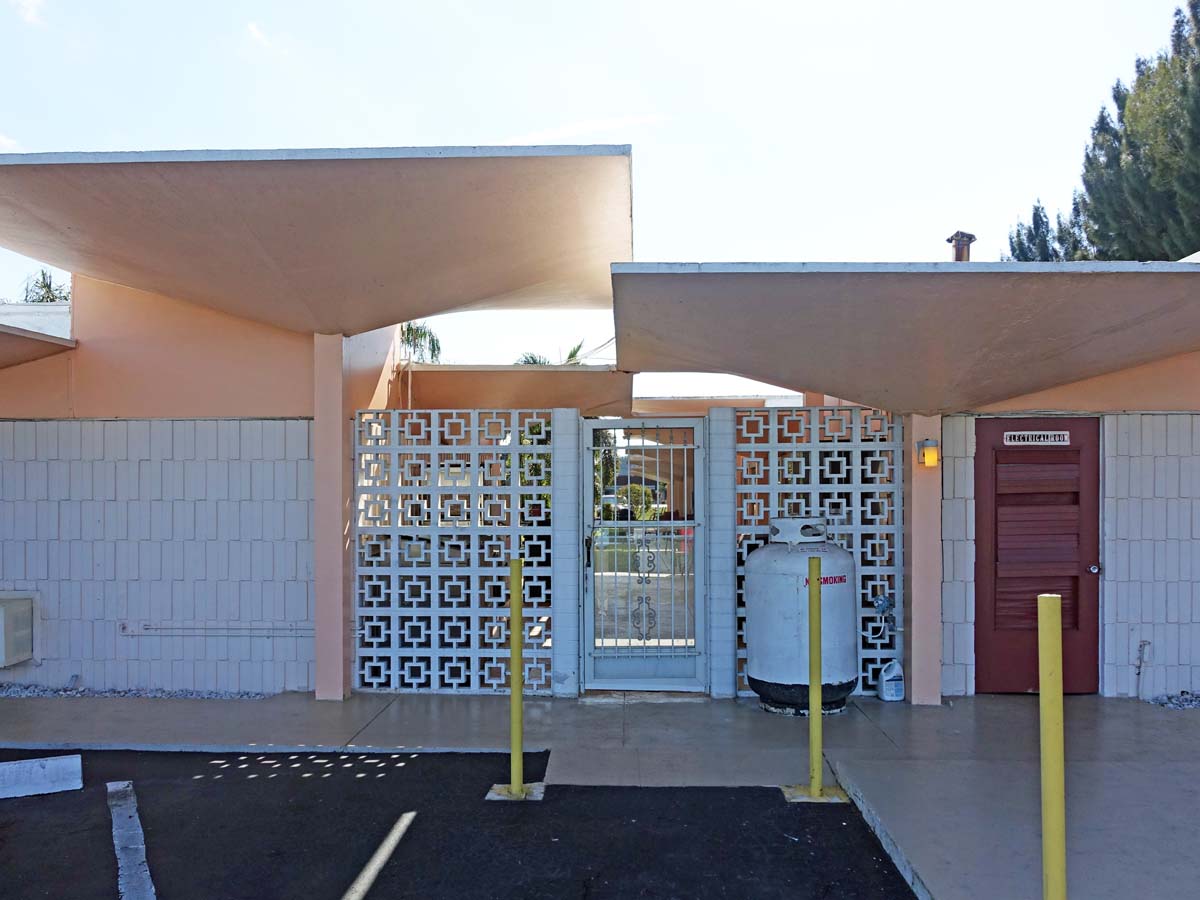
point(956, 800)
point(951, 790)
point(614, 739)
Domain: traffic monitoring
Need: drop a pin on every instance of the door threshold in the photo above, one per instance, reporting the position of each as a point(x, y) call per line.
point(605, 696)
point(665, 697)
point(614, 696)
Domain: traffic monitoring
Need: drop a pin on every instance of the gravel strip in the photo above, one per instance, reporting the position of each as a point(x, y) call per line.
point(1182, 700)
point(33, 690)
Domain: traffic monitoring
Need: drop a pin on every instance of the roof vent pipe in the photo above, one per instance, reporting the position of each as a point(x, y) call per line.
point(962, 245)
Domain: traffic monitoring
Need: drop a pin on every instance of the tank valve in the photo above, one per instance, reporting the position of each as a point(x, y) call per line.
point(885, 608)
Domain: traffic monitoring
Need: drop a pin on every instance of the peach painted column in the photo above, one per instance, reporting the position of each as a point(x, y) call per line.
point(923, 564)
point(332, 496)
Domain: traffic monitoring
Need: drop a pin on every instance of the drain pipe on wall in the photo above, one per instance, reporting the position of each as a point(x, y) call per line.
point(1143, 657)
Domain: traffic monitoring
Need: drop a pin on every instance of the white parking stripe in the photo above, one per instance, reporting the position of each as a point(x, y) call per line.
point(366, 878)
point(129, 842)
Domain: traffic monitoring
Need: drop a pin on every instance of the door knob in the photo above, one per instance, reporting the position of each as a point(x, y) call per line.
point(1095, 570)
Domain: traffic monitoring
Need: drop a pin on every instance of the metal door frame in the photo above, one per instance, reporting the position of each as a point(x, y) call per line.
point(699, 682)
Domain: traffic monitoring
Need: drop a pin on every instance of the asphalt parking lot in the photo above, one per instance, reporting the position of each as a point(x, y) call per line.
point(261, 826)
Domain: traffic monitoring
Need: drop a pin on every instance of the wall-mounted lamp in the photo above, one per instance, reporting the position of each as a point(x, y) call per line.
point(927, 452)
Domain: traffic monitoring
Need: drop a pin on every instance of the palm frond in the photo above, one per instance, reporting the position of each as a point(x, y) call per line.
point(573, 358)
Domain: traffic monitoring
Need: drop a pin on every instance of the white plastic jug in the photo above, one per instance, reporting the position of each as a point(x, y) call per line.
point(891, 681)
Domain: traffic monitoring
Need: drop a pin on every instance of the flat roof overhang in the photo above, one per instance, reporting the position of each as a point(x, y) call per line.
point(20, 345)
point(922, 338)
point(331, 241)
point(593, 390)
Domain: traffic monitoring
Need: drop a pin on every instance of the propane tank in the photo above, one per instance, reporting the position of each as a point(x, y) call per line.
point(777, 618)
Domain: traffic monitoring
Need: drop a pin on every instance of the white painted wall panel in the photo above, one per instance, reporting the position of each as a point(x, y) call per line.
point(170, 554)
point(958, 555)
point(567, 521)
point(722, 543)
point(1150, 529)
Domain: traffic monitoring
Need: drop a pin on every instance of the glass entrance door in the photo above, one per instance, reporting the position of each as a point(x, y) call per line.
point(644, 624)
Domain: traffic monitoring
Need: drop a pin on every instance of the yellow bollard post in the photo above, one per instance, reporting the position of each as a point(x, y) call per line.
point(1050, 702)
point(516, 668)
point(815, 791)
point(816, 760)
point(516, 789)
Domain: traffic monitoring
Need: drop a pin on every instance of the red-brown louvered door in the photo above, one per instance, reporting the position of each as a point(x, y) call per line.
point(1037, 531)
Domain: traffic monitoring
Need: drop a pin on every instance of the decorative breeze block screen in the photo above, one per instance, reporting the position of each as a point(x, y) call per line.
point(444, 499)
point(845, 464)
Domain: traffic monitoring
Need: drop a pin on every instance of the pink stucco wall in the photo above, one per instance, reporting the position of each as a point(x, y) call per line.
point(332, 531)
point(144, 355)
point(1171, 384)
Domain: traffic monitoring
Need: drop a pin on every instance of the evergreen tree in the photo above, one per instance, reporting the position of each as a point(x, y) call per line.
point(1185, 230)
point(1032, 242)
point(1141, 170)
point(1067, 241)
point(1070, 234)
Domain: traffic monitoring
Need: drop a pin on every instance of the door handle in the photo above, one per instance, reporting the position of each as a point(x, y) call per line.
point(587, 552)
point(1095, 570)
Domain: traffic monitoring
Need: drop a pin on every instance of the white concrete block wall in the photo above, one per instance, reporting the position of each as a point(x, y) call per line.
point(721, 526)
point(567, 561)
point(958, 555)
point(1150, 529)
point(169, 554)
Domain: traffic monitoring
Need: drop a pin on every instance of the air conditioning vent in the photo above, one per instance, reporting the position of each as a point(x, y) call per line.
point(16, 630)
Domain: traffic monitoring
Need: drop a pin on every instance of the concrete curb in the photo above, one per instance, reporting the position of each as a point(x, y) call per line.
point(894, 851)
point(250, 748)
point(49, 775)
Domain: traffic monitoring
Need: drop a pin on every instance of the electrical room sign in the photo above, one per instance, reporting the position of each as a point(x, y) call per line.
point(1037, 438)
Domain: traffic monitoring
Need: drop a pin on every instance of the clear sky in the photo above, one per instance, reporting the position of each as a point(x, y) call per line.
point(761, 130)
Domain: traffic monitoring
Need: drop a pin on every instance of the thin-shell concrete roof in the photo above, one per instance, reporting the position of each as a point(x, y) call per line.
point(20, 345)
point(593, 390)
point(907, 337)
point(331, 240)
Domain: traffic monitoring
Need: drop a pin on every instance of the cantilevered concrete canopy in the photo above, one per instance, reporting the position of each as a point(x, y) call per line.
point(18, 345)
point(593, 390)
point(331, 240)
point(923, 337)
